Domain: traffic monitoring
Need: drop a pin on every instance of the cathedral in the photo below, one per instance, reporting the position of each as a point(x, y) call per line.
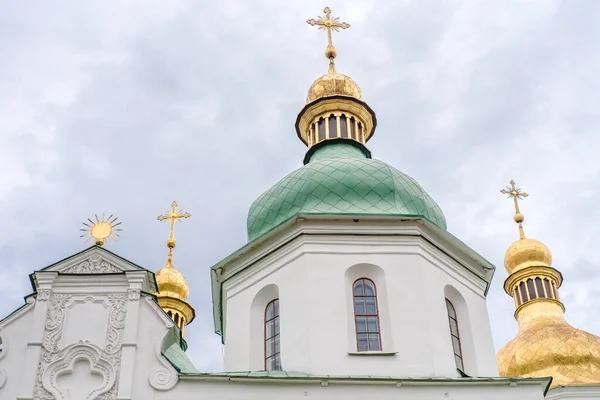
point(350, 283)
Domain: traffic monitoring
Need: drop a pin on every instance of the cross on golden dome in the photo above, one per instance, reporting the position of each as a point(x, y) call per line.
point(329, 24)
point(173, 216)
point(516, 194)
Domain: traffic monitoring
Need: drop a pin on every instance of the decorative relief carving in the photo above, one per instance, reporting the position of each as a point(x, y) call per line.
point(163, 377)
point(72, 354)
point(43, 294)
point(93, 265)
point(133, 294)
point(106, 361)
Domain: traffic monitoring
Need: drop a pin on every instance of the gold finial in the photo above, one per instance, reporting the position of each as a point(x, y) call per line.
point(516, 195)
point(101, 230)
point(173, 215)
point(329, 24)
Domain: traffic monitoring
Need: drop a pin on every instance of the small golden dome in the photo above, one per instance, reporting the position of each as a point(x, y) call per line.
point(552, 347)
point(526, 253)
point(171, 282)
point(333, 84)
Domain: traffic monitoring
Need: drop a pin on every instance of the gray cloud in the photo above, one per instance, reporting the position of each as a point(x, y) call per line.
point(124, 107)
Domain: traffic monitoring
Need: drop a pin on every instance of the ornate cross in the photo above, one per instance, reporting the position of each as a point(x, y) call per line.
point(516, 194)
point(173, 215)
point(329, 24)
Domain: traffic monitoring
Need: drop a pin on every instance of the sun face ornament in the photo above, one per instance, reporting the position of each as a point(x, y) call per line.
point(102, 229)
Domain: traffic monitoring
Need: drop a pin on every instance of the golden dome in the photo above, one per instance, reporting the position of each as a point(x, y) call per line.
point(333, 84)
point(171, 282)
point(525, 253)
point(546, 345)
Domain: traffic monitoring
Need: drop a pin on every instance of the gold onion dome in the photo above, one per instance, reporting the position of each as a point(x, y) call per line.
point(526, 253)
point(171, 282)
point(545, 344)
point(333, 84)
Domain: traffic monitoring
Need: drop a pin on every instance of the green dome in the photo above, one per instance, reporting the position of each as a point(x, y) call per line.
point(341, 179)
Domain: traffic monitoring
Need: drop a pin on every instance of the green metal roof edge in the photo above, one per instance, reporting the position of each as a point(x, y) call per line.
point(289, 375)
point(217, 287)
point(34, 286)
point(173, 350)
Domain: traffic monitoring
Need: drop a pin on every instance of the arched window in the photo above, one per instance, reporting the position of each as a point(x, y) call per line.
point(272, 350)
point(332, 126)
point(455, 335)
point(366, 315)
point(353, 129)
point(170, 314)
point(322, 129)
point(343, 126)
point(523, 292)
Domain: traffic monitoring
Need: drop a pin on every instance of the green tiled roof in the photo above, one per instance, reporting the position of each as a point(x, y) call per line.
point(173, 352)
point(340, 178)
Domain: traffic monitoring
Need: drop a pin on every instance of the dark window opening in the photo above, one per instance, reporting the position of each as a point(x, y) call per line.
point(540, 288)
point(455, 335)
point(272, 348)
point(531, 288)
point(322, 129)
point(523, 291)
point(332, 126)
point(343, 127)
point(366, 315)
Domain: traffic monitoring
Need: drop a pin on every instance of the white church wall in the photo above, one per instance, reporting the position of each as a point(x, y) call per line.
point(195, 389)
point(15, 332)
point(313, 276)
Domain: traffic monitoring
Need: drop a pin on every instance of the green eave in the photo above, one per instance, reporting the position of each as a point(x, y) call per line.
point(303, 378)
point(173, 350)
point(217, 285)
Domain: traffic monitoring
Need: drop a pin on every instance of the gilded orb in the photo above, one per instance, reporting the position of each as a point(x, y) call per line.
point(527, 253)
point(519, 218)
point(330, 52)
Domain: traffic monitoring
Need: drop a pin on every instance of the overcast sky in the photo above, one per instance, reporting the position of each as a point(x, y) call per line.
point(122, 107)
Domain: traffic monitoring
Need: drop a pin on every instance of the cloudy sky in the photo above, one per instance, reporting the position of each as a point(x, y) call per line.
point(122, 107)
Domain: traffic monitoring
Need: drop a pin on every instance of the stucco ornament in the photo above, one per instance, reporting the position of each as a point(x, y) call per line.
point(133, 294)
point(55, 360)
point(43, 294)
point(163, 377)
point(93, 265)
point(65, 365)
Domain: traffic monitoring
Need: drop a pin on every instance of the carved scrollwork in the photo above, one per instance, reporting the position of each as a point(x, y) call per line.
point(163, 377)
point(72, 354)
point(106, 361)
point(43, 294)
point(133, 294)
point(93, 265)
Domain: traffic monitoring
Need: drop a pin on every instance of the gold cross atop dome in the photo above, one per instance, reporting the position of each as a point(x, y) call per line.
point(173, 215)
point(516, 194)
point(101, 229)
point(329, 24)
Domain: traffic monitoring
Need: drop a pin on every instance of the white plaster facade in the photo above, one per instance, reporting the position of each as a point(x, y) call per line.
point(92, 330)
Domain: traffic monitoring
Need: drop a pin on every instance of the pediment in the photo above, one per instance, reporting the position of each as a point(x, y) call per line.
point(94, 260)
